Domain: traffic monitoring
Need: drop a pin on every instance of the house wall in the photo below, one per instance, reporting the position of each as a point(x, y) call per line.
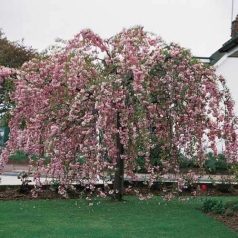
point(228, 67)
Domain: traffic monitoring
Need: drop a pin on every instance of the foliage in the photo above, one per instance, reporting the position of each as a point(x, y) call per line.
point(185, 163)
point(155, 160)
point(225, 187)
point(211, 205)
point(24, 177)
point(19, 157)
point(54, 185)
point(233, 205)
point(6, 87)
point(219, 207)
point(234, 169)
point(113, 101)
point(215, 164)
point(4, 135)
point(14, 54)
point(208, 205)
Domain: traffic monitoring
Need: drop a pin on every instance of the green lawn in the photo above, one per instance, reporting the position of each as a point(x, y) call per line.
point(133, 218)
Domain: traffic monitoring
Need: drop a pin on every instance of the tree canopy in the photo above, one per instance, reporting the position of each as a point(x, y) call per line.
point(96, 107)
point(14, 54)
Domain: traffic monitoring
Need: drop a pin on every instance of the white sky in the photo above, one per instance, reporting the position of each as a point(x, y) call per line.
point(200, 25)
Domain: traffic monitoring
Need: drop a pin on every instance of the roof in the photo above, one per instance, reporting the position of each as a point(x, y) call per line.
point(226, 47)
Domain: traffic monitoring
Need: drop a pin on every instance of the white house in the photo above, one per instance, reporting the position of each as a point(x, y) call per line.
point(225, 60)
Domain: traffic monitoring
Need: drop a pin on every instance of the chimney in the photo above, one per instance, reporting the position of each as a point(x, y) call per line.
point(234, 27)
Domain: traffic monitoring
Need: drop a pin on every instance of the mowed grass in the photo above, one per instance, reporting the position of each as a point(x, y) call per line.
point(130, 219)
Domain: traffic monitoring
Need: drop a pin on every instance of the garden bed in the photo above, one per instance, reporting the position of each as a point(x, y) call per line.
point(49, 192)
point(230, 221)
point(224, 211)
point(13, 193)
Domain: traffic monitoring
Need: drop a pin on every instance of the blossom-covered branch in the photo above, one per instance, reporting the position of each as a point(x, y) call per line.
point(71, 108)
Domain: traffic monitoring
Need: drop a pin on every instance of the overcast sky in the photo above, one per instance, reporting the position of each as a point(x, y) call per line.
point(200, 25)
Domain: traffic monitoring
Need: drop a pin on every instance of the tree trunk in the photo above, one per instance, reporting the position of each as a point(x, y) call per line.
point(119, 173)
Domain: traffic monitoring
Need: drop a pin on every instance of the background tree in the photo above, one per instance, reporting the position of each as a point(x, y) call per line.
point(94, 108)
point(12, 56)
point(7, 76)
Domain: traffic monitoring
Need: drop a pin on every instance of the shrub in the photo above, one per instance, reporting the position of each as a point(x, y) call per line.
point(216, 164)
point(233, 205)
point(229, 212)
point(24, 177)
point(208, 205)
point(185, 163)
point(234, 170)
point(218, 207)
point(19, 157)
point(224, 187)
point(54, 185)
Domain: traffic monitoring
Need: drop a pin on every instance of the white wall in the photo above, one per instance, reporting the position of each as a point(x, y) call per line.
point(228, 67)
